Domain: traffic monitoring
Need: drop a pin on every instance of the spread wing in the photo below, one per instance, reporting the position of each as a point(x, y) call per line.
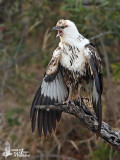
point(94, 63)
point(52, 90)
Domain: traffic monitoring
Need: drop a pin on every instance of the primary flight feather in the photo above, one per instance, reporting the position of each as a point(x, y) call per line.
point(75, 64)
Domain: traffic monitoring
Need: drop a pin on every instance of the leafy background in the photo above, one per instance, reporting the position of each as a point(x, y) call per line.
point(26, 46)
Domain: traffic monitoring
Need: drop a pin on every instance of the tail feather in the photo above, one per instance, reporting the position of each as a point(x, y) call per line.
point(45, 123)
point(34, 120)
point(35, 100)
point(96, 98)
point(99, 115)
point(58, 113)
point(54, 117)
point(40, 122)
point(49, 115)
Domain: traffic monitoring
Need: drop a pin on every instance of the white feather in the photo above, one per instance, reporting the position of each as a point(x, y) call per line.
point(63, 88)
point(78, 63)
point(58, 88)
point(54, 89)
point(44, 87)
point(52, 94)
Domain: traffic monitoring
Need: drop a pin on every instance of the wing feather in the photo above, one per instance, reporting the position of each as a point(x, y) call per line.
point(52, 90)
point(94, 62)
point(40, 122)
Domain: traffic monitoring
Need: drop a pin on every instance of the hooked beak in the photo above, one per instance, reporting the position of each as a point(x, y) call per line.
point(55, 28)
point(60, 33)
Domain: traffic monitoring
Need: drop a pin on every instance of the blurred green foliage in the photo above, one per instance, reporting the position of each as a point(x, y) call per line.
point(95, 19)
point(116, 71)
point(103, 152)
point(13, 115)
point(14, 137)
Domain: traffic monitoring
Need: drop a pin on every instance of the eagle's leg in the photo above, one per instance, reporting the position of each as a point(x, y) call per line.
point(79, 97)
point(69, 85)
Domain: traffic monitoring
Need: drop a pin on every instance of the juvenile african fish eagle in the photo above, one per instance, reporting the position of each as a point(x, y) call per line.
point(75, 64)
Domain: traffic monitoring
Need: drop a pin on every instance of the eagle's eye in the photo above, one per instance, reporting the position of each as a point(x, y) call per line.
point(62, 27)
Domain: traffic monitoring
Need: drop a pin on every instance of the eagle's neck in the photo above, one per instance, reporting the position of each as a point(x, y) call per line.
point(77, 40)
point(68, 38)
point(71, 33)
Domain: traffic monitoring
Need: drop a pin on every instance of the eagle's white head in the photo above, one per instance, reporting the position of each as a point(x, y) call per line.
point(66, 29)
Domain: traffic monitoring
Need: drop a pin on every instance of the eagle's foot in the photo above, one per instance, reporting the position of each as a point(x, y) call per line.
point(67, 101)
point(81, 99)
point(85, 98)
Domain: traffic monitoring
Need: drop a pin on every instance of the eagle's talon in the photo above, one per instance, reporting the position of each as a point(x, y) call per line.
point(81, 99)
point(78, 97)
point(85, 98)
point(67, 102)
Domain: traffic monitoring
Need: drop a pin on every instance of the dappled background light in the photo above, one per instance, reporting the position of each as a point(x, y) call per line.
point(26, 46)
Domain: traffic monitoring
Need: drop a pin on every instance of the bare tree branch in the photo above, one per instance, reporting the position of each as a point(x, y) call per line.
point(19, 59)
point(88, 120)
point(101, 35)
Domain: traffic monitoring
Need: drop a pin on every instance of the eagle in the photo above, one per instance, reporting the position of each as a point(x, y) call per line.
point(75, 66)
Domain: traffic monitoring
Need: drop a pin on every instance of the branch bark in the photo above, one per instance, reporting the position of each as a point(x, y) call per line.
point(88, 120)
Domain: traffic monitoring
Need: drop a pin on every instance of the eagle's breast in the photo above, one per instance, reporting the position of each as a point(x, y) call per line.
point(73, 59)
